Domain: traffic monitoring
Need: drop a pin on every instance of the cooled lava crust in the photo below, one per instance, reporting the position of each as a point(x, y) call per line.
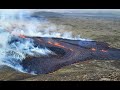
point(67, 52)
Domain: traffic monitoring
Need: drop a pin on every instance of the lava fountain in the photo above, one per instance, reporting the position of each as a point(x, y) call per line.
point(29, 47)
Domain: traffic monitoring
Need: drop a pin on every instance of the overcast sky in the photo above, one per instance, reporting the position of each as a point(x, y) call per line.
point(65, 10)
point(80, 10)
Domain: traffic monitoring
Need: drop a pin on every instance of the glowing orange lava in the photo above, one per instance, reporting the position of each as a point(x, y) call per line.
point(22, 36)
point(93, 49)
point(50, 42)
point(58, 44)
point(104, 50)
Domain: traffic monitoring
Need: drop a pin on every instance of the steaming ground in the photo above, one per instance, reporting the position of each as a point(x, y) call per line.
point(100, 29)
point(17, 25)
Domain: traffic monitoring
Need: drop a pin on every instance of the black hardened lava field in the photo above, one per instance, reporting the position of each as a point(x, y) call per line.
point(66, 52)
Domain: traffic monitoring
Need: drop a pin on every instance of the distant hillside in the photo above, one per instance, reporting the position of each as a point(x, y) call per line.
point(102, 15)
point(46, 14)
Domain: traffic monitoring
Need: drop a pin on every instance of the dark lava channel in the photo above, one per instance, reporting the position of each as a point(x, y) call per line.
point(66, 52)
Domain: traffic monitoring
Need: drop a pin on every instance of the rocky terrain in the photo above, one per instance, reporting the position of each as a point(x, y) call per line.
point(98, 28)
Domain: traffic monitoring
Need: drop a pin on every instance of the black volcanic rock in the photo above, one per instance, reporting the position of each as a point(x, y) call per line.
point(67, 52)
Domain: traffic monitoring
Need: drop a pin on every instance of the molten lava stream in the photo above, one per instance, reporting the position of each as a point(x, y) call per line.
point(58, 45)
point(50, 42)
point(93, 49)
point(103, 50)
point(22, 36)
point(61, 46)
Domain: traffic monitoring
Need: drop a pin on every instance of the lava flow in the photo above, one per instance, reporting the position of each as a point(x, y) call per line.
point(66, 52)
point(32, 44)
point(22, 36)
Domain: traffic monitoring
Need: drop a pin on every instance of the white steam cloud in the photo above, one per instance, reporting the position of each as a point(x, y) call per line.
point(19, 22)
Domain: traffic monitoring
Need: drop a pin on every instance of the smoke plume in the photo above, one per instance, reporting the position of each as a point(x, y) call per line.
point(16, 24)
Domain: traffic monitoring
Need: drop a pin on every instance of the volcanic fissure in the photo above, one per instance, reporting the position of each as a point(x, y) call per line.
point(72, 51)
point(33, 44)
